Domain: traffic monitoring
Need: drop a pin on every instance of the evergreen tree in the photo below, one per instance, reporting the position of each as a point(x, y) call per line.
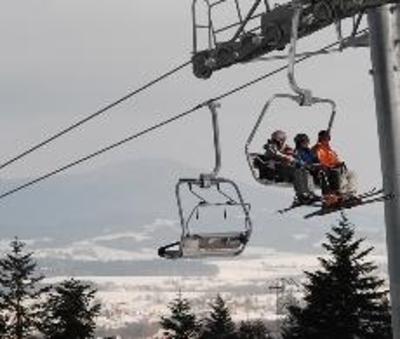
point(70, 311)
point(19, 292)
point(253, 330)
point(343, 299)
point(3, 325)
point(219, 324)
point(380, 325)
point(181, 324)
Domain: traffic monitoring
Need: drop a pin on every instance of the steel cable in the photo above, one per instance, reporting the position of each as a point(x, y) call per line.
point(158, 125)
point(92, 116)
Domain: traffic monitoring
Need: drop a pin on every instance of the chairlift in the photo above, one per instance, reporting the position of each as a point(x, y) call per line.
point(303, 98)
point(194, 244)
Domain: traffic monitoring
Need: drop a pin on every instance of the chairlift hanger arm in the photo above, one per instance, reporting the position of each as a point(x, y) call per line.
point(274, 32)
point(207, 177)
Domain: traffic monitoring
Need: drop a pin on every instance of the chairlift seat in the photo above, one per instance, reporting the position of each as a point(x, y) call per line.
point(266, 171)
point(224, 244)
point(265, 168)
point(213, 244)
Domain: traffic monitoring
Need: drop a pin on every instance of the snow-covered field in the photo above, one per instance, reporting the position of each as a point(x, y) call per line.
point(245, 282)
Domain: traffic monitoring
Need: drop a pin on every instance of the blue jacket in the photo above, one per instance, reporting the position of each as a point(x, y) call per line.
point(305, 156)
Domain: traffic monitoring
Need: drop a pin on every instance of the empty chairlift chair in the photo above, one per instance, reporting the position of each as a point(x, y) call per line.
point(195, 244)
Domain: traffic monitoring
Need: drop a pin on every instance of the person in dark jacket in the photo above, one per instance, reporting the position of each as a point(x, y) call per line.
point(279, 157)
point(306, 166)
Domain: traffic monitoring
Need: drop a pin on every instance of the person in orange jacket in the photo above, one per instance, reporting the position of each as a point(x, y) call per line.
point(341, 183)
point(324, 152)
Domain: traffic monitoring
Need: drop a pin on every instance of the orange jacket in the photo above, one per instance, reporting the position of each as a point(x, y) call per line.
point(326, 155)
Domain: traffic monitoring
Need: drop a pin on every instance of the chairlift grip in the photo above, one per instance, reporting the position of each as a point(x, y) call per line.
point(207, 177)
point(304, 93)
point(267, 6)
point(338, 28)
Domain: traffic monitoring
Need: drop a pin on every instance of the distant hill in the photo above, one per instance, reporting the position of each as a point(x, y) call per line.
point(127, 210)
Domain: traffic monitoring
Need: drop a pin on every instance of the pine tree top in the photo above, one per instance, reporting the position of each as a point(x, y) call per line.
point(19, 291)
point(181, 323)
point(18, 271)
point(219, 322)
point(70, 310)
point(347, 260)
point(343, 298)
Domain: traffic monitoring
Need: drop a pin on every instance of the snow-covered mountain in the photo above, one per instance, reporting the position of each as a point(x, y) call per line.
point(111, 220)
point(106, 225)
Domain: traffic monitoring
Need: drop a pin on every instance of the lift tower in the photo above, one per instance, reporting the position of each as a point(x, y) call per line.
point(384, 23)
point(273, 33)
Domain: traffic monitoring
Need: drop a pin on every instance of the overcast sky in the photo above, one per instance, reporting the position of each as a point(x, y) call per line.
point(63, 59)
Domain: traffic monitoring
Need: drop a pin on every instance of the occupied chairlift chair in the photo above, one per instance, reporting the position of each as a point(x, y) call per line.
point(303, 97)
point(198, 245)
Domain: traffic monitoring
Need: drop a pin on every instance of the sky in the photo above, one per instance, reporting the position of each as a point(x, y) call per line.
point(62, 60)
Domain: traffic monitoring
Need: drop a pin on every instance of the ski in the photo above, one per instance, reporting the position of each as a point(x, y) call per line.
point(349, 205)
point(297, 204)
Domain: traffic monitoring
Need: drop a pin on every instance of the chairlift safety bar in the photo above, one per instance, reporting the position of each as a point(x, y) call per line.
point(214, 181)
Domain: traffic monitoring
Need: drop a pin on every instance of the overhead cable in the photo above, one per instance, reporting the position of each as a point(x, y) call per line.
point(92, 116)
point(158, 125)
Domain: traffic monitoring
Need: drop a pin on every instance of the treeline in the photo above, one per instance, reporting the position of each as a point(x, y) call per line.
point(31, 309)
point(183, 323)
point(343, 299)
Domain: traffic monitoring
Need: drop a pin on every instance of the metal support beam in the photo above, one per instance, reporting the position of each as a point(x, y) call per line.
point(246, 20)
point(384, 26)
point(274, 32)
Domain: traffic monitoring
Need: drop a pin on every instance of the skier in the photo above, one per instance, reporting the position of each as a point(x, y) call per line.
point(279, 157)
point(338, 183)
point(307, 167)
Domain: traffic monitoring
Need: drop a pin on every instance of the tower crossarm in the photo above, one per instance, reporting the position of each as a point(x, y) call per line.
point(246, 42)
